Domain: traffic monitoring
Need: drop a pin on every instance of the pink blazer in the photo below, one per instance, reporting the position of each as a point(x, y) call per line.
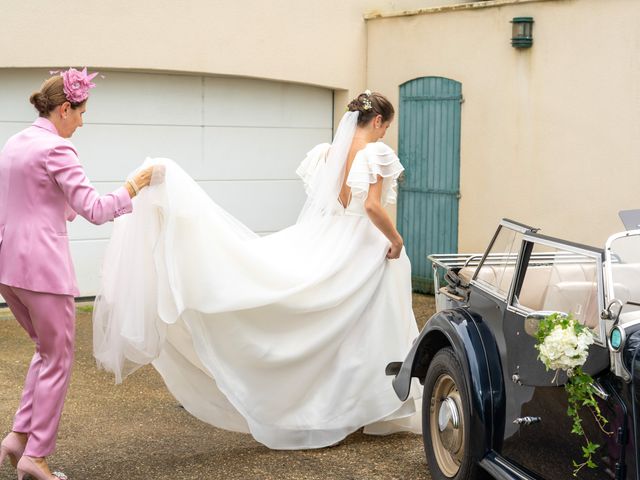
point(42, 185)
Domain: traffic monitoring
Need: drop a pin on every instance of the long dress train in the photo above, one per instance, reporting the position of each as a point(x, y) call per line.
point(284, 336)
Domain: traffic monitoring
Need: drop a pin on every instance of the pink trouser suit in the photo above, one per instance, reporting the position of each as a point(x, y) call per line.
point(42, 185)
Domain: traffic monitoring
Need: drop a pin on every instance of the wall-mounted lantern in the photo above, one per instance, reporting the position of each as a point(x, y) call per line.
point(522, 32)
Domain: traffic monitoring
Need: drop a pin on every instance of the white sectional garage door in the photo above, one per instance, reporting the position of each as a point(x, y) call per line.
point(241, 139)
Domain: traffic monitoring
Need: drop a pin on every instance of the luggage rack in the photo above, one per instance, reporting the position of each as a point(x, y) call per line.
point(455, 260)
point(461, 260)
point(451, 264)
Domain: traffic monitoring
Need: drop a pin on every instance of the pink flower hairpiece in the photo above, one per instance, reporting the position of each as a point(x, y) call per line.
point(76, 84)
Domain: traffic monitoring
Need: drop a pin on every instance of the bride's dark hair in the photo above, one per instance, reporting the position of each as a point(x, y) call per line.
point(370, 104)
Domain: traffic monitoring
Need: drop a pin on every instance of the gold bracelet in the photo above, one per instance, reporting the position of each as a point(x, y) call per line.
point(133, 185)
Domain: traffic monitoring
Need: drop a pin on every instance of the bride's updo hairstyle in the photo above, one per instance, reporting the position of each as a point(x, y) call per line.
point(370, 104)
point(50, 95)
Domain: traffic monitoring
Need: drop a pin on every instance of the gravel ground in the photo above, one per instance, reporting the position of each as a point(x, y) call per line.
point(137, 430)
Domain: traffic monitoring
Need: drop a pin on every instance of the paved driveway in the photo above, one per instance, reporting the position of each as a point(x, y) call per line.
point(137, 430)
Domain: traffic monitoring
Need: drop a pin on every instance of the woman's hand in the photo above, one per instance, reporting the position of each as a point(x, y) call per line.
point(144, 178)
point(395, 249)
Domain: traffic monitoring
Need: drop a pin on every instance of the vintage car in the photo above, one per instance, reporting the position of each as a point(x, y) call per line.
point(490, 407)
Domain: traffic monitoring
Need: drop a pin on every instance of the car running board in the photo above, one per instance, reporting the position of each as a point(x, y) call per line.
point(501, 469)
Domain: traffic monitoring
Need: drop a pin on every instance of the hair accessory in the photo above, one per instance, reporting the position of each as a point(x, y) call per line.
point(76, 84)
point(366, 102)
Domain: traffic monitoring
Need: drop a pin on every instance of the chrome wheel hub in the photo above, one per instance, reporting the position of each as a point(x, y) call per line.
point(447, 425)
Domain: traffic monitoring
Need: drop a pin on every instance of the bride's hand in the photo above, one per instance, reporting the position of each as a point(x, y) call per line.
point(395, 249)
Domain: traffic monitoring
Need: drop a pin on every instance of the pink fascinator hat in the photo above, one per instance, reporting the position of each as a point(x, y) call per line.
point(77, 84)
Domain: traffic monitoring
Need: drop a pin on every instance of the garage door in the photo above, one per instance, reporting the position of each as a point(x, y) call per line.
point(241, 139)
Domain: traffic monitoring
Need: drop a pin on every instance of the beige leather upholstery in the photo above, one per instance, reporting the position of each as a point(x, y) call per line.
point(561, 287)
point(577, 297)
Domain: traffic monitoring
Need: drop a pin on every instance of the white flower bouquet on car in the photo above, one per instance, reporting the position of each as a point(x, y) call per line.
point(563, 345)
point(566, 345)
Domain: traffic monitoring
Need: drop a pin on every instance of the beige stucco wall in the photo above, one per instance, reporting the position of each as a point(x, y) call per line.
point(307, 41)
point(550, 135)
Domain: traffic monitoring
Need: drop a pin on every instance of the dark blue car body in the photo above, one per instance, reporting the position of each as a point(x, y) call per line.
point(506, 417)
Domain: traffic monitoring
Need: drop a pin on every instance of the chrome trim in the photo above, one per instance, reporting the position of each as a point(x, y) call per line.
point(532, 321)
point(520, 311)
point(505, 222)
point(447, 261)
point(601, 302)
point(616, 236)
point(516, 272)
point(606, 313)
point(436, 278)
point(608, 262)
point(527, 420)
point(450, 415)
point(472, 257)
point(617, 362)
point(560, 244)
point(488, 249)
point(503, 466)
point(599, 391)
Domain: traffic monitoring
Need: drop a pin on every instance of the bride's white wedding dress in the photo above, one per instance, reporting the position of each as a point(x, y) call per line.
point(284, 336)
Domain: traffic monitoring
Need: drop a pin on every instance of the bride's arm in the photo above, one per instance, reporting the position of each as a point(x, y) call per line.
point(380, 218)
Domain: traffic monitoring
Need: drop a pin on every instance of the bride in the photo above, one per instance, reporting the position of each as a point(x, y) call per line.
point(284, 336)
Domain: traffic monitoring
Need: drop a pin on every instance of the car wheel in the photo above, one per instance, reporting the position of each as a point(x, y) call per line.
point(445, 421)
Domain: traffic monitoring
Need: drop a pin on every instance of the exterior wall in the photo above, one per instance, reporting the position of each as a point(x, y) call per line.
point(550, 135)
point(319, 43)
point(240, 139)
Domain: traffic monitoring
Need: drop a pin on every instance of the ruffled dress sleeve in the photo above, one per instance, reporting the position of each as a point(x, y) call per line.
point(311, 165)
point(373, 160)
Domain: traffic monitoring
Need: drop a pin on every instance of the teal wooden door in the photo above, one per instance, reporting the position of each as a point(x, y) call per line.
point(429, 149)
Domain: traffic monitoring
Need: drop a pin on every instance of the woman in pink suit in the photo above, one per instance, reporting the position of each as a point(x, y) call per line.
point(42, 185)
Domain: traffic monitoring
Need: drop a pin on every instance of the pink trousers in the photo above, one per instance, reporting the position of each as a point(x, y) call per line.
point(49, 320)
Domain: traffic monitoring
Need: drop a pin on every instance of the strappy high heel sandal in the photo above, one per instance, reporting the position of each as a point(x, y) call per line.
point(27, 465)
point(12, 448)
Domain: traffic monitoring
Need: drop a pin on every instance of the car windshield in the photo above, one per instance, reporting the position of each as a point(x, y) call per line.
point(496, 271)
point(624, 272)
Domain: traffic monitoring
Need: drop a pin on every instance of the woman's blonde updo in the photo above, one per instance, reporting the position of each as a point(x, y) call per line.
point(50, 95)
point(370, 104)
